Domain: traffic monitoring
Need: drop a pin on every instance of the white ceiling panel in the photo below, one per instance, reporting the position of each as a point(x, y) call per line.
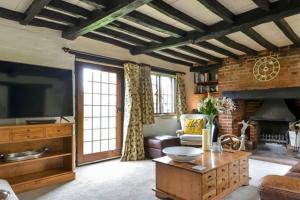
point(243, 39)
point(213, 53)
point(151, 12)
point(221, 45)
point(15, 5)
point(294, 22)
point(238, 7)
point(143, 27)
point(196, 10)
point(273, 34)
point(81, 4)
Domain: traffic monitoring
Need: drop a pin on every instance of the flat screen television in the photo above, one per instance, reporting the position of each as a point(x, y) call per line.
point(28, 91)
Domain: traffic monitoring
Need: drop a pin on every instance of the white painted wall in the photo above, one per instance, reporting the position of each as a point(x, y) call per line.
point(42, 46)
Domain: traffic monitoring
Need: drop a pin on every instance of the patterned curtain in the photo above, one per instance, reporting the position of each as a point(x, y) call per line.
point(133, 127)
point(146, 95)
point(181, 106)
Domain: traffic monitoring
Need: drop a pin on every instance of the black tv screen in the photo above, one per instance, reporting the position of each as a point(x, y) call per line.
point(34, 91)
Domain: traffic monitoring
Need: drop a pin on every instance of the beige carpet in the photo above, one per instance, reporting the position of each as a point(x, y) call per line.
point(114, 180)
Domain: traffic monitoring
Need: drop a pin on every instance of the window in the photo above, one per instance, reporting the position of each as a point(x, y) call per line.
point(163, 87)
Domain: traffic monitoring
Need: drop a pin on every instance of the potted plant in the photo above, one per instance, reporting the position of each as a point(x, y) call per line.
point(211, 107)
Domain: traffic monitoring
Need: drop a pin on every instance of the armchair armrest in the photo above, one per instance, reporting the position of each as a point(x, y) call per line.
point(179, 132)
point(279, 187)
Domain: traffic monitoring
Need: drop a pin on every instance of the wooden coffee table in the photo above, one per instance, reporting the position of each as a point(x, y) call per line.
point(224, 173)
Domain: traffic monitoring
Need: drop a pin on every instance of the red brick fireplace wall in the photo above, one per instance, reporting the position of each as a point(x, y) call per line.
point(238, 76)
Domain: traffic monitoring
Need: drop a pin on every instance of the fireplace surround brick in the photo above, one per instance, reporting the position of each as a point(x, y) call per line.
point(238, 76)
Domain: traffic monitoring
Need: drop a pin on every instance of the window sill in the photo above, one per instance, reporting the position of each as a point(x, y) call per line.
point(165, 116)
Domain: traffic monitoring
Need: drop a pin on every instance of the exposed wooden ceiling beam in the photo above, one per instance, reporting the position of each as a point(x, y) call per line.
point(279, 9)
point(104, 39)
point(259, 39)
point(173, 13)
point(288, 31)
point(220, 10)
point(184, 56)
point(230, 43)
point(262, 4)
point(206, 67)
point(217, 49)
point(120, 26)
point(169, 59)
point(199, 53)
point(58, 17)
point(34, 9)
point(69, 8)
point(103, 18)
point(154, 24)
point(121, 36)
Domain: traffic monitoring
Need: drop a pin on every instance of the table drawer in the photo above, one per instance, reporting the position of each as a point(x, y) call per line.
point(222, 187)
point(24, 134)
point(211, 175)
point(234, 173)
point(4, 136)
point(222, 171)
point(222, 180)
point(244, 161)
point(210, 195)
point(244, 178)
point(234, 165)
point(234, 182)
point(243, 169)
point(208, 186)
point(58, 131)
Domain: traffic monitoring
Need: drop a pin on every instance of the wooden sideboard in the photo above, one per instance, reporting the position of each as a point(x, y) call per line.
point(56, 166)
point(224, 173)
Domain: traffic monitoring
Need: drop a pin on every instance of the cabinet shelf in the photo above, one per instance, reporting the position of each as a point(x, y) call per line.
point(208, 83)
point(45, 157)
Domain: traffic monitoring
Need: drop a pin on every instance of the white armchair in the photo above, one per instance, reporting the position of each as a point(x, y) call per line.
point(190, 139)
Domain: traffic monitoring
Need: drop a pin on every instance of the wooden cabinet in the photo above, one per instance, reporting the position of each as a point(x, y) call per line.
point(56, 166)
point(224, 173)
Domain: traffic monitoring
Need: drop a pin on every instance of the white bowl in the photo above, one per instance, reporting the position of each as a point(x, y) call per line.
point(182, 154)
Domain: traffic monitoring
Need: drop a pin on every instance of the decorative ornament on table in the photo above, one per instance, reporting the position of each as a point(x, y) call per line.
point(245, 125)
point(266, 68)
point(211, 107)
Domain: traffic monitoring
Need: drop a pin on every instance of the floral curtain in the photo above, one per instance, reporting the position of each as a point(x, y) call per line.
point(146, 95)
point(133, 127)
point(181, 106)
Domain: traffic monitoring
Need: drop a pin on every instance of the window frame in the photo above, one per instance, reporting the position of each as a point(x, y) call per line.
point(158, 103)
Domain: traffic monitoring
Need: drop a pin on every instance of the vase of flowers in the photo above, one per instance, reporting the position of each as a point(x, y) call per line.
point(211, 107)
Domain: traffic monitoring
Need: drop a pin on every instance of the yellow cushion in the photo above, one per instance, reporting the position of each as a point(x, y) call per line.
point(193, 126)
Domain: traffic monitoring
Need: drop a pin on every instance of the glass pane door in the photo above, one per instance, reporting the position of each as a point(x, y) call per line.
point(101, 124)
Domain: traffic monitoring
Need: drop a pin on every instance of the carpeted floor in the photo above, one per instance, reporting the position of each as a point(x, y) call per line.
point(114, 180)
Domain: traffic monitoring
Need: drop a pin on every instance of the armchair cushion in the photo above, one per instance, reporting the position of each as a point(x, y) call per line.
point(191, 137)
point(193, 126)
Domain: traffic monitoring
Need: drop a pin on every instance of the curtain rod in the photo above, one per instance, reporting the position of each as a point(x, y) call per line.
point(113, 61)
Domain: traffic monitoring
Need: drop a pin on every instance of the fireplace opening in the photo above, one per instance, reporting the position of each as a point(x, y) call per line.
point(273, 132)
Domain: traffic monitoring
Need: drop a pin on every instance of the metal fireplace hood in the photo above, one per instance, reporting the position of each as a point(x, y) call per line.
point(274, 110)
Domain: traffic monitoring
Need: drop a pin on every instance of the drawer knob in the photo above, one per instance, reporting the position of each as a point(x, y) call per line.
point(223, 179)
point(28, 130)
point(223, 170)
point(209, 176)
point(58, 130)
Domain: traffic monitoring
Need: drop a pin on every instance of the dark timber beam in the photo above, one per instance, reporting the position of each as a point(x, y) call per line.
point(279, 10)
point(288, 31)
point(103, 18)
point(217, 8)
point(209, 46)
point(131, 30)
point(183, 56)
point(49, 14)
point(121, 36)
point(173, 13)
point(169, 59)
point(154, 24)
point(230, 43)
point(70, 9)
point(205, 68)
point(263, 4)
point(259, 39)
point(34, 9)
point(202, 54)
